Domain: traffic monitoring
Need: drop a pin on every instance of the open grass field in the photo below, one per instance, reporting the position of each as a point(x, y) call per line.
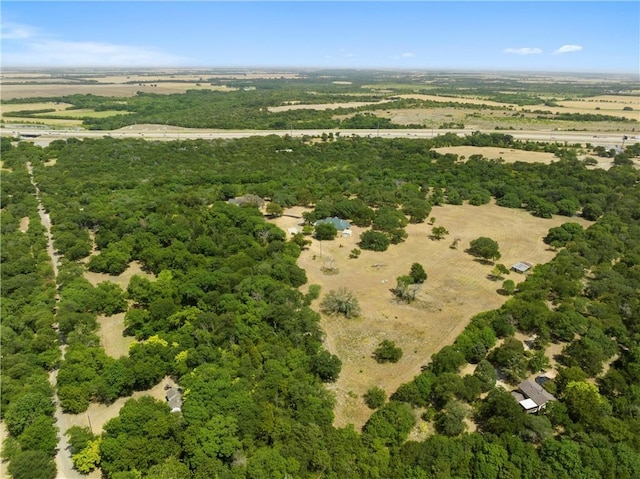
point(19, 84)
point(99, 414)
point(46, 105)
point(112, 327)
point(322, 106)
point(84, 112)
point(508, 155)
point(457, 288)
point(30, 90)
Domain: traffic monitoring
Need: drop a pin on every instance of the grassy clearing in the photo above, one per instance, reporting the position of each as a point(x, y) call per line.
point(102, 89)
point(322, 106)
point(84, 112)
point(99, 414)
point(34, 106)
point(62, 123)
point(456, 289)
point(506, 154)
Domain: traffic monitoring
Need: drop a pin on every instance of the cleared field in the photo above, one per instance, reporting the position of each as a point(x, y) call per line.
point(457, 288)
point(603, 105)
point(118, 90)
point(506, 154)
point(323, 106)
point(99, 414)
point(85, 112)
point(44, 121)
point(121, 280)
point(457, 99)
point(34, 106)
point(112, 327)
point(111, 338)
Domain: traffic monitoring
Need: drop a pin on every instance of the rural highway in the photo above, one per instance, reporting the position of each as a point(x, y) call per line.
point(160, 132)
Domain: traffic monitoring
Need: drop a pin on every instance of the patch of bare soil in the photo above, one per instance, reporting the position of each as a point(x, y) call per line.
point(122, 280)
point(24, 224)
point(457, 288)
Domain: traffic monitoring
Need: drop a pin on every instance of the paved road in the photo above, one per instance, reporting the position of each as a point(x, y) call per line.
point(158, 132)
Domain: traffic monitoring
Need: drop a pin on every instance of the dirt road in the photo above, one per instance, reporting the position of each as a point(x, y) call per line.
point(63, 457)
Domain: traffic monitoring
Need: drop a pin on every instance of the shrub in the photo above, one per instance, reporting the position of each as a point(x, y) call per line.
point(375, 397)
point(387, 352)
point(341, 302)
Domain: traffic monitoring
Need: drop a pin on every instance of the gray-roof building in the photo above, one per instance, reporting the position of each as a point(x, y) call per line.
point(174, 399)
point(535, 396)
point(521, 267)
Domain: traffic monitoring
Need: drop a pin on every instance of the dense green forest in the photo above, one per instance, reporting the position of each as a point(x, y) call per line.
point(224, 316)
point(30, 346)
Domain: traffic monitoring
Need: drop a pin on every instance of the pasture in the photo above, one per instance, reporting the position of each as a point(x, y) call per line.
point(457, 288)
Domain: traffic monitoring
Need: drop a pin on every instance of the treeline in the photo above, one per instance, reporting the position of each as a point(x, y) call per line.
point(586, 117)
point(224, 317)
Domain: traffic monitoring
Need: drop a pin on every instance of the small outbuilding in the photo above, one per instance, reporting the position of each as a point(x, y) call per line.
point(521, 267)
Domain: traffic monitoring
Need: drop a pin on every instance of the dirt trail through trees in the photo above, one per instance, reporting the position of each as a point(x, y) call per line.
point(63, 458)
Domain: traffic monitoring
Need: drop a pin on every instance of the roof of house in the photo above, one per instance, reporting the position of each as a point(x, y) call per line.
point(340, 224)
point(521, 266)
point(528, 404)
point(535, 392)
point(174, 398)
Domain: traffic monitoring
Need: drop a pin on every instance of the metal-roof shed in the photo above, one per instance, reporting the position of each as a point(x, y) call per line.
point(521, 267)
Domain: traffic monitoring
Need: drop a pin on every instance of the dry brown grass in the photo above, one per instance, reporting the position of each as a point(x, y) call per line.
point(507, 154)
point(24, 224)
point(33, 106)
point(112, 327)
point(457, 288)
point(102, 89)
point(322, 106)
point(99, 414)
point(121, 280)
point(111, 338)
point(457, 99)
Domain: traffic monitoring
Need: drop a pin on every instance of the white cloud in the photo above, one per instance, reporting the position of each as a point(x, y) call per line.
point(88, 54)
point(402, 55)
point(567, 49)
point(27, 47)
point(16, 31)
point(523, 51)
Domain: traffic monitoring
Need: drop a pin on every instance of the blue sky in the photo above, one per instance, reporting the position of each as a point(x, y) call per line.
point(593, 36)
